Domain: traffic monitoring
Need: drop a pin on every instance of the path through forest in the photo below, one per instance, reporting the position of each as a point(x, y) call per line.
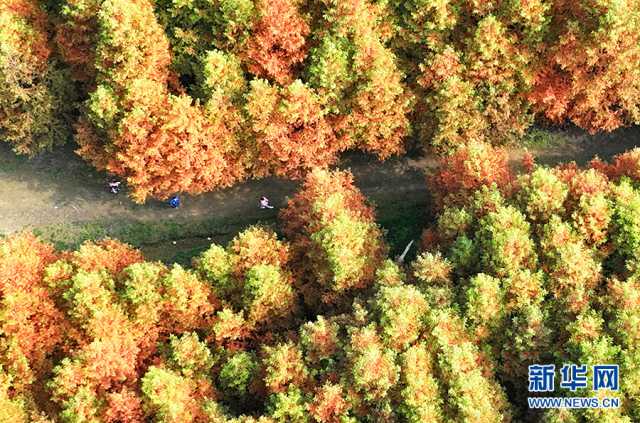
point(59, 187)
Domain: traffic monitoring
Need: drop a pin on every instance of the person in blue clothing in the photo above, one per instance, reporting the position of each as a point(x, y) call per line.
point(174, 202)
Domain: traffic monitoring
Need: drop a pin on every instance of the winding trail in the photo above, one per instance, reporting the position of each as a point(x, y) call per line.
point(59, 187)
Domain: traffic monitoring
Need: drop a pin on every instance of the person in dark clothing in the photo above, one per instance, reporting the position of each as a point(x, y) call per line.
point(114, 186)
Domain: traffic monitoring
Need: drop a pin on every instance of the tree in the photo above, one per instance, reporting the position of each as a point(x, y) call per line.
point(496, 65)
point(468, 169)
point(35, 98)
point(195, 27)
point(547, 283)
point(284, 367)
point(159, 142)
point(401, 309)
point(449, 111)
point(334, 239)
point(169, 396)
point(11, 409)
point(373, 368)
point(278, 42)
point(329, 405)
point(252, 278)
point(236, 376)
point(32, 325)
point(421, 399)
point(359, 78)
point(76, 37)
point(291, 134)
point(589, 72)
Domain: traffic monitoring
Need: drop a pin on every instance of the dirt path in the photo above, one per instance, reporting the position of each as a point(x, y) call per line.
point(59, 187)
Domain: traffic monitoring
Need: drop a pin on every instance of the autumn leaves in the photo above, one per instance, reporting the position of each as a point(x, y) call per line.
point(194, 96)
point(242, 110)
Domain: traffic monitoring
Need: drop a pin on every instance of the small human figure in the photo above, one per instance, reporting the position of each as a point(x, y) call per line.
point(174, 202)
point(264, 203)
point(114, 186)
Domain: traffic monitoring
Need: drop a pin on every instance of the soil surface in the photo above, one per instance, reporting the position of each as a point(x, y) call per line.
point(59, 187)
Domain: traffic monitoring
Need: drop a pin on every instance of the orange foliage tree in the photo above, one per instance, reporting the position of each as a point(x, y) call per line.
point(76, 37)
point(589, 72)
point(291, 134)
point(135, 128)
point(470, 168)
point(117, 308)
point(32, 326)
point(277, 45)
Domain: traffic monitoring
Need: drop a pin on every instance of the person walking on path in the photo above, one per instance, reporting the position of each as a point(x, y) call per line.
point(174, 202)
point(264, 203)
point(114, 186)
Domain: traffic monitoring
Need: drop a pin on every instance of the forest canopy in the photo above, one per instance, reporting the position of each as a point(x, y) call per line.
point(311, 319)
point(193, 96)
point(313, 322)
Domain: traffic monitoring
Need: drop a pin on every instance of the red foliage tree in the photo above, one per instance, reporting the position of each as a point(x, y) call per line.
point(278, 43)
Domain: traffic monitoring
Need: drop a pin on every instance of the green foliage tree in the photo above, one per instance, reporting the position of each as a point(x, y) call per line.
point(548, 275)
point(358, 77)
point(335, 242)
point(252, 279)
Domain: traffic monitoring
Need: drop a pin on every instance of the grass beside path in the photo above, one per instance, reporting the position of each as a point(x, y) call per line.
point(178, 241)
point(155, 238)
